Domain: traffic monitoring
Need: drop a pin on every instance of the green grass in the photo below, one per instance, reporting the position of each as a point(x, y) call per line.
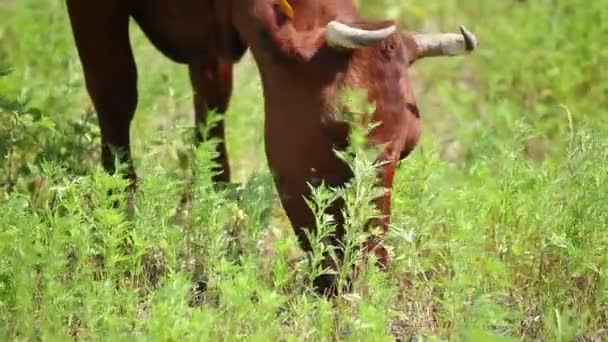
point(500, 216)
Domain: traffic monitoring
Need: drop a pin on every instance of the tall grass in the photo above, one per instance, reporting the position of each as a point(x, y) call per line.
point(500, 216)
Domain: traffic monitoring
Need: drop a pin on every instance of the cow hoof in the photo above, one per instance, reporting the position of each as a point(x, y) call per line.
point(155, 266)
point(197, 296)
point(232, 190)
point(326, 285)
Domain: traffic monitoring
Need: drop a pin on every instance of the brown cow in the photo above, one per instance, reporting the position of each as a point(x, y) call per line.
point(306, 52)
point(305, 59)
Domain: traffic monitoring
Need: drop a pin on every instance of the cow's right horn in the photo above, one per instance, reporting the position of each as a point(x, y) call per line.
point(445, 44)
point(341, 35)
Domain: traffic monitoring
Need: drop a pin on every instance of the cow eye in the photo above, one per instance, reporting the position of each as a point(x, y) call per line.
point(414, 109)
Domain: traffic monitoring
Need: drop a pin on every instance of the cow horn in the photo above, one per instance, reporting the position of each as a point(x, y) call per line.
point(341, 35)
point(445, 44)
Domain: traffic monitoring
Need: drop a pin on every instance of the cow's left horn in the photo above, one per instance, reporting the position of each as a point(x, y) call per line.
point(341, 35)
point(445, 44)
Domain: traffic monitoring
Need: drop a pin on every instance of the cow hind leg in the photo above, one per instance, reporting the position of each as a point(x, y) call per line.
point(212, 84)
point(101, 33)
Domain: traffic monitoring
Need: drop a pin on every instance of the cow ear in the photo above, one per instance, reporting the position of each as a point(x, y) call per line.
point(280, 34)
point(422, 45)
point(285, 8)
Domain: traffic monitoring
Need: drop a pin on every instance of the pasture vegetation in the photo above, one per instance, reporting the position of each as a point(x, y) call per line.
point(500, 223)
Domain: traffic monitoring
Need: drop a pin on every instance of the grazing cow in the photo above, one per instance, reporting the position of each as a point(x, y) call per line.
point(306, 51)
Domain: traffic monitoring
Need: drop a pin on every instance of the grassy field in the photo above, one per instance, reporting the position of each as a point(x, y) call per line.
point(500, 221)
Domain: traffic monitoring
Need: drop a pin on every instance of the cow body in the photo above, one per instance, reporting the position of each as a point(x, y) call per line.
point(196, 33)
point(304, 60)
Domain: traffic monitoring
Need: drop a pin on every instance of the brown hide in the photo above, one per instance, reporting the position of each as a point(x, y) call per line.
point(302, 74)
point(198, 33)
point(301, 78)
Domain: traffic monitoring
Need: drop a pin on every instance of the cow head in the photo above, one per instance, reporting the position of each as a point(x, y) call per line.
point(330, 39)
point(342, 27)
point(380, 62)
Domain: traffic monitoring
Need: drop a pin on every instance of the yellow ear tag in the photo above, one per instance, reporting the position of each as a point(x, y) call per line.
point(286, 8)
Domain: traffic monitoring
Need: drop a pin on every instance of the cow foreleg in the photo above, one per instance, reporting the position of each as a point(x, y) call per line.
point(375, 241)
